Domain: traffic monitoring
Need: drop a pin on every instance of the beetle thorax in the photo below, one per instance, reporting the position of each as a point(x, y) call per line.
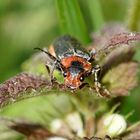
point(76, 69)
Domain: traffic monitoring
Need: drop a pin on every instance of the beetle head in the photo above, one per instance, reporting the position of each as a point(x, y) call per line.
point(74, 77)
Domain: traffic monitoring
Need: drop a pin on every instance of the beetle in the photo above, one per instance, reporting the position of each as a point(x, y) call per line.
point(75, 63)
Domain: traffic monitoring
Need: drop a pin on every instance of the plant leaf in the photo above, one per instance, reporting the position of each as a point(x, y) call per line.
point(16, 87)
point(71, 19)
point(122, 79)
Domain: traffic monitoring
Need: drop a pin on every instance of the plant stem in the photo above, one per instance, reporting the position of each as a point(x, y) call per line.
point(134, 15)
point(96, 14)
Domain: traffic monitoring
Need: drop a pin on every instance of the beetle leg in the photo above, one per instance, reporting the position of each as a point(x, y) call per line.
point(107, 137)
point(54, 65)
point(48, 69)
point(52, 78)
point(84, 84)
point(93, 54)
point(50, 72)
point(101, 90)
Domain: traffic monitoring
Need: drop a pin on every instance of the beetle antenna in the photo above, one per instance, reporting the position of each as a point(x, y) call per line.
point(51, 56)
point(59, 65)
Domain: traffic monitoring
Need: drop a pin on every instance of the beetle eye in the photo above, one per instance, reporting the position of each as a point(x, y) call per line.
point(64, 74)
point(81, 78)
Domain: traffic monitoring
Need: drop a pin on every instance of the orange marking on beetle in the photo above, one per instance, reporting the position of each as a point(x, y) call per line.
point(73, 82)
point(66, 62)
point(51, 50)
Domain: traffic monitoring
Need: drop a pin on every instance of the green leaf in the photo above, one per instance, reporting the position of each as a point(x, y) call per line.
point(71, 19)
point(96, 14)
point(133, 16)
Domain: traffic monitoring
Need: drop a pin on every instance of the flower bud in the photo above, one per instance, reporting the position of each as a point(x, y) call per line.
point(115, 124)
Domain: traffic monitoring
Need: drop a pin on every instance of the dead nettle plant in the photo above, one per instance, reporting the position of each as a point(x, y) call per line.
point(85, 117)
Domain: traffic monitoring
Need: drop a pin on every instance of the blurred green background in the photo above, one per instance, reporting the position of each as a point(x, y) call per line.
point(27, 24)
